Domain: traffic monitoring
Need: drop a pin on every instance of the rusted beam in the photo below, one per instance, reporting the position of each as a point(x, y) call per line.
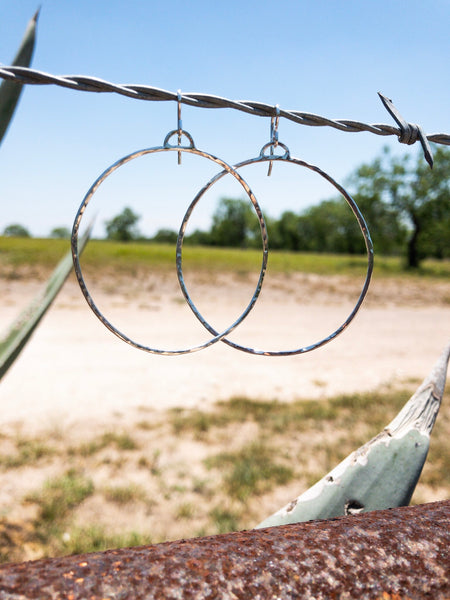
point(390, 554)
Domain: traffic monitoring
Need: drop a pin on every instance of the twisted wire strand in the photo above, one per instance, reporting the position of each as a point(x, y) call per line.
point(84, 83)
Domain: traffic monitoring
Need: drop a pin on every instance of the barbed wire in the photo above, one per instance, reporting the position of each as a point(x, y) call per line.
point(406, 132)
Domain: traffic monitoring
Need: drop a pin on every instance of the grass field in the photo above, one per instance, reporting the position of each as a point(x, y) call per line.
point(43, 254)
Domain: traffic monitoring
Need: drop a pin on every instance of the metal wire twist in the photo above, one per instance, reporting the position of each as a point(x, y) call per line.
point(84, 83)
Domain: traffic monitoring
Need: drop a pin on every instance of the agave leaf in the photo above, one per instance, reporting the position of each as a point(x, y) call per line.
point(21, 330)
point(10, 90)
point(384, 472)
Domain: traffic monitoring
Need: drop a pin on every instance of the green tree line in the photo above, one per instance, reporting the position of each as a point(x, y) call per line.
point(405, 204)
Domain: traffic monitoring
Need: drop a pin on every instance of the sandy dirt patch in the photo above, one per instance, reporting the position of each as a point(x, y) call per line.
point(74, 368)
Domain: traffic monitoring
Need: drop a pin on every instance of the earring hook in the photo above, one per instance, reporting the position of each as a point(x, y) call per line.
point(274, 121)
point(179, 124)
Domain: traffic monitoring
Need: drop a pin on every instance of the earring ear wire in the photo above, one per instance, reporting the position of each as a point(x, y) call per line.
point(179, 123)
point(274, 121)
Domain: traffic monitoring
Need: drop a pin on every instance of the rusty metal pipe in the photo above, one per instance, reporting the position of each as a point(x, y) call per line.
point(389, 554)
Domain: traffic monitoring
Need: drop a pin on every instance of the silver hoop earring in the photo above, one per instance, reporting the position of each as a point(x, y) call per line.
point(271, 157)
point(179, 148)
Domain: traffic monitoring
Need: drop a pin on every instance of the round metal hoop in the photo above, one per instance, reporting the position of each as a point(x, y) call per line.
point(353, 206)
point(191, 149)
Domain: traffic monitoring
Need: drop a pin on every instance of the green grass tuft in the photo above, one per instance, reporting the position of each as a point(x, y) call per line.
point(225, 519)
point(125, 494)
point(61, 495)
point(122, 441)
point(185, 510)
point(251, 470)
point(94, 538)
point(29, 451)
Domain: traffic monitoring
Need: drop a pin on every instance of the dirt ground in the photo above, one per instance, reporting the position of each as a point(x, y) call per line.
point(75, 369)
point(76, 383)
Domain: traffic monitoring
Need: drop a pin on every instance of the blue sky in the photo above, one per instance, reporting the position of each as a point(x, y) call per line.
point(328, 57)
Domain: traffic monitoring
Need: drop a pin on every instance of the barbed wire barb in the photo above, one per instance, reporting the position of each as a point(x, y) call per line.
point(409, 133)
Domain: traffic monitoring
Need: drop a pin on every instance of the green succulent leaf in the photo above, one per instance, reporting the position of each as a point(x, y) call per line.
point(382, 473)
point(23, 327)
point(10, 90)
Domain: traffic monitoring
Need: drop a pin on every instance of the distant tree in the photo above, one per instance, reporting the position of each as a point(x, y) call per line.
point(16, 230)
point(123, 226)
point(165, 236)
point(62, 233)
point(387, 228)
point(289, 235)
point(329, 227)
point(419, 196)
point(232, 223)
point(199, 238)
point(254, 231)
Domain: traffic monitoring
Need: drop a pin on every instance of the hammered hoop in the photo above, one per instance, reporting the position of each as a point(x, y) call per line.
point(191, 149)
point(272, 157)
